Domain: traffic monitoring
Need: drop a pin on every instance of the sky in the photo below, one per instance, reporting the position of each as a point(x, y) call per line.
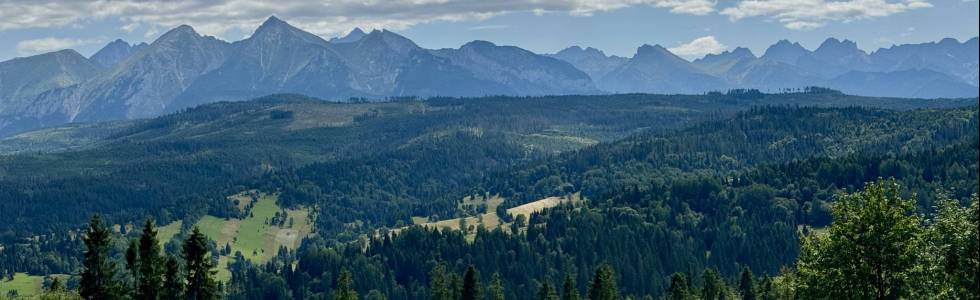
point(690, 28)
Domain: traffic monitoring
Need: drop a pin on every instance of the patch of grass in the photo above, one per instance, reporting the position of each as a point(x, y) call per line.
point(25, 285)
point(253, 236)
point(167, 232)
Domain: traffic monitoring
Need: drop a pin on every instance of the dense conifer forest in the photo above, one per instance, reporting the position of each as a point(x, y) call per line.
point(720, 196)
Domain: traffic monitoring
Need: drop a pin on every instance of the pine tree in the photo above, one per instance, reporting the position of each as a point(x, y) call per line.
point(173, 281)
point(679, 287)
point(713, 286)
point(570, 289)
point(344, 290)
point(471, 285)
point(439, 284)
point(746, 284)
point(604, 284)
point(99, 277)
point(150, 278)
point(547, 292)
point(200, 282)
point(496, 287)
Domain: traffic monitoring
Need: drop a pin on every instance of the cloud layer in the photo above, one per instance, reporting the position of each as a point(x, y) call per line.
point(699, 47)
point(332, 17)
point(37, 46)
point(809, 14)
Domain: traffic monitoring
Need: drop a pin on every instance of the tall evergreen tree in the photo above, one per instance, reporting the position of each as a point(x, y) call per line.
point(547, 292)
point(570, 289)
point(99, 280)
point(344, 289)
point(712, 285)
point(439, 284)
point(604, 284)
point(200, 276)
point(471, 285)
point(746, 284)
point(173, 280)
point(149, 265)
point(679, 287)
point(496, 288)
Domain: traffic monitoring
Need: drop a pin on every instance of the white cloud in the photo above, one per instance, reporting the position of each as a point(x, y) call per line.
point(329, 17)
point(699, 47)
point(37, 46)
point(809, 14)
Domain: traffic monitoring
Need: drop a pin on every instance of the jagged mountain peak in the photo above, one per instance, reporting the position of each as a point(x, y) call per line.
point(836, 47)
point(785, 51)
point(274, 29)
point(355, 35)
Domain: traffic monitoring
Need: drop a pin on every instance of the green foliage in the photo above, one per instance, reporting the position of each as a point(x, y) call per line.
point(99, 279)
point(680, 288)
point(199, 268)
point(604, 286)
point(173, 280)
point(547, 292)
point(746, 284)
point(570, 289)
point(344, 288)
point(870, 250)
point(149, 266)
point(471, 285)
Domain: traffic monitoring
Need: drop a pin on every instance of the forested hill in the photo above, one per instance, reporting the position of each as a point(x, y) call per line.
point(669, 183)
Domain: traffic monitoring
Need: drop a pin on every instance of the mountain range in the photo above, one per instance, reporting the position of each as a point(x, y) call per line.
point(183, 68)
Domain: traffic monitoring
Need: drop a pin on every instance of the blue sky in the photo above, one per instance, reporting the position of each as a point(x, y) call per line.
point(690, 27)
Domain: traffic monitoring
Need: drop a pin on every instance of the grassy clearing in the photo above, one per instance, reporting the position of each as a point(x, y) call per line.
point(167, 232)
point(254, 237)
point(25, 285)
point(489, 219)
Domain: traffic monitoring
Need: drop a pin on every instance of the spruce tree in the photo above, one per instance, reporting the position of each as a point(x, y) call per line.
point(496, 288)
point(149, 264)
point(712, 287)
point(746, 285)
point(471, 285)
point(439, 285)
point(344, 290)
point(604, 284)
point(173, 281)
point(570, 289)
point(99, 277)
point(200, 276)
point(547, 292)
point(679, 287)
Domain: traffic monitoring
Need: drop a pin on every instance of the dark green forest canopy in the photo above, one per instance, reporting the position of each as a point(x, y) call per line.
point(704, 172)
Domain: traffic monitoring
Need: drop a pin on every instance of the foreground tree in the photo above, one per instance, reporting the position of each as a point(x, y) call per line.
point(746, 284)
point(439, 285)
point(870, 250)
point(604, 284)
point(547, 292)
point(200, 276)
point(173, 280)
point(345, 287)
point(570, 289)
point(149, 264)
point(99, 277)
point(679, 287)
point(713, 287)
point(496, 288)
point(471, 285)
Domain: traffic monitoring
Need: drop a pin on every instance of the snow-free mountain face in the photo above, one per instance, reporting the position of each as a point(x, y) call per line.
point(590, 60)
point(183, 68)
point(351, 37)
point(115, 52)
point(655, 70)
point(522, 71)
point(23, 79)
point(786, 52)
